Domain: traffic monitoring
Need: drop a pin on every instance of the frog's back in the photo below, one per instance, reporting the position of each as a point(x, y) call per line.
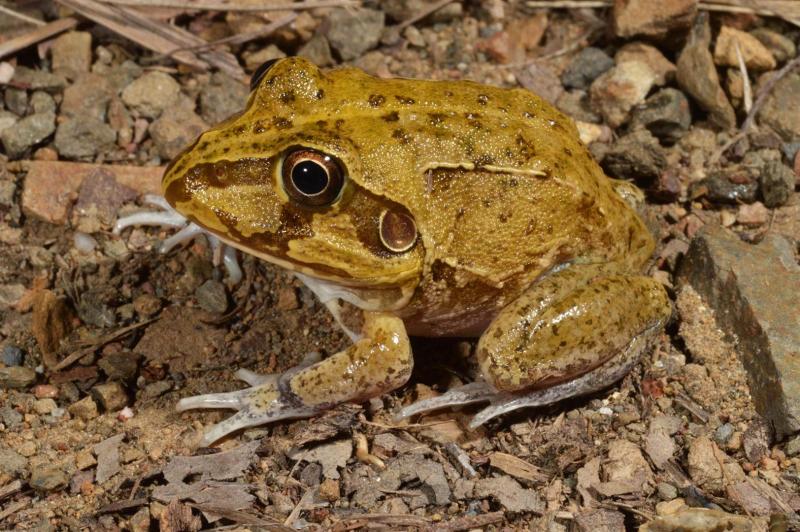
point(497, 178)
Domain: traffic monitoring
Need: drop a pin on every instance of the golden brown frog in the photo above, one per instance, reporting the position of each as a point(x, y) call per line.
point(434, 209)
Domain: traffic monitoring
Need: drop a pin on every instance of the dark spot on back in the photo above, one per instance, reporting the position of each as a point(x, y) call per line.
point(483, 99)
point(405, 100)
point(320, 94)
point(401, 135)
point(258, 127)
point(391, 117)
point(436, 118)
point(287, 97)
point(282, 123)
point(376, 100)
point(239, 130)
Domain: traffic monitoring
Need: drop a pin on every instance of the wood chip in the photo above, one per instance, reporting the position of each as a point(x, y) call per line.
point(517, 467)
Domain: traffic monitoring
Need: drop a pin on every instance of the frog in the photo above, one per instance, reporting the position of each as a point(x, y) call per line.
point(423, 208)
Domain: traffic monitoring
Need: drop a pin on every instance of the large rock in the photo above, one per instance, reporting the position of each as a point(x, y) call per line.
point(697, 75)
point(27, 133)
point(642, 17)
point(351, 32)
point(781, 110)
point(755, 293)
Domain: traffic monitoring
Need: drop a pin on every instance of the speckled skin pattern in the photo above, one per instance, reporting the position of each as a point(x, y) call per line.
point(522, 240)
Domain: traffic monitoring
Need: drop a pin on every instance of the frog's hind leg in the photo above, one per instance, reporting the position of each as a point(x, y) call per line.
point(597, 379)
point(571, 334)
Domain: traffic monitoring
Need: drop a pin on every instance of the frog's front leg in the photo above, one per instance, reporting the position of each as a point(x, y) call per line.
point(187, 231)
point(377, 363)
point(551, 344)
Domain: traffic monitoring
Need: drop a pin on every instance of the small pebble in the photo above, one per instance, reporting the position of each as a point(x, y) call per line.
point(85, 409)
point(212, 297)
point(44, 406)
point(12, 355)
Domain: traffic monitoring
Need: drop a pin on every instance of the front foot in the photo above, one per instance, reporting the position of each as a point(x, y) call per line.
point(187, 231)
point(267, 400)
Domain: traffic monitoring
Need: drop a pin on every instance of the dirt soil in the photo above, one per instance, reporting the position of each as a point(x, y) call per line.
point(95, 443)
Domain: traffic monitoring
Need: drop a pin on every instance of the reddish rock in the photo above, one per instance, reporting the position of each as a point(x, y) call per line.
point(642, 17)
point(52, 186)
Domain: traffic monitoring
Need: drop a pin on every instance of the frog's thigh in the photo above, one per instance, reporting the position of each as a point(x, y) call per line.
point(530, 347)
point(377, 363)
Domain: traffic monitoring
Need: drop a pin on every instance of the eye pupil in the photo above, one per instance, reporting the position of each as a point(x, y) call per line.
point(309, 177)
point(312, 178)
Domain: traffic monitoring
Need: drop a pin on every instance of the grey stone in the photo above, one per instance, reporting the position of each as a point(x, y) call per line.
point(723, 433)
point(12, 463)
point(17, 101)
point(221, 98)
point(793, 446)
point(351, 32)
point(7, 119)
point(176, 129)
point(665, 114)
point(667, 491)
point(87, 97)
point(755, 293)
point(28, 132)
point(781, 47)
point(719, 188)
point(576, 104)
point(41, 102)
point(10, 417)
point(12, 355)
point(317, 50)
point(17, 377)
point(777, 183)
point(151, 94)
point(37, 79)
point(120, 366)
point(47, 477)
point(697, 75)
point(637, 155)
point(84, 138)
point(212, 296)
point(509, 493)
point(585, 67)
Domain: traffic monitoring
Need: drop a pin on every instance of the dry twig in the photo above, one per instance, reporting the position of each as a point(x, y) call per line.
point(154, 35)
point(36, 35)
point(789, 10)
point(234, 6)
point(21, 16)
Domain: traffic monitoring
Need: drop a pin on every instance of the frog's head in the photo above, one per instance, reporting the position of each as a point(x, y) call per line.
point(283, 181)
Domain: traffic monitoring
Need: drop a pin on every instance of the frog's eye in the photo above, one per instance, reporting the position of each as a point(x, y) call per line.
point(312, 178)
point(260, 72)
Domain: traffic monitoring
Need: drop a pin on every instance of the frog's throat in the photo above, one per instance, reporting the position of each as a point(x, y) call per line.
point(371, 296)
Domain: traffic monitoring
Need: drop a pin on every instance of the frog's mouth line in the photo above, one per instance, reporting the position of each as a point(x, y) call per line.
point(344, 281)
